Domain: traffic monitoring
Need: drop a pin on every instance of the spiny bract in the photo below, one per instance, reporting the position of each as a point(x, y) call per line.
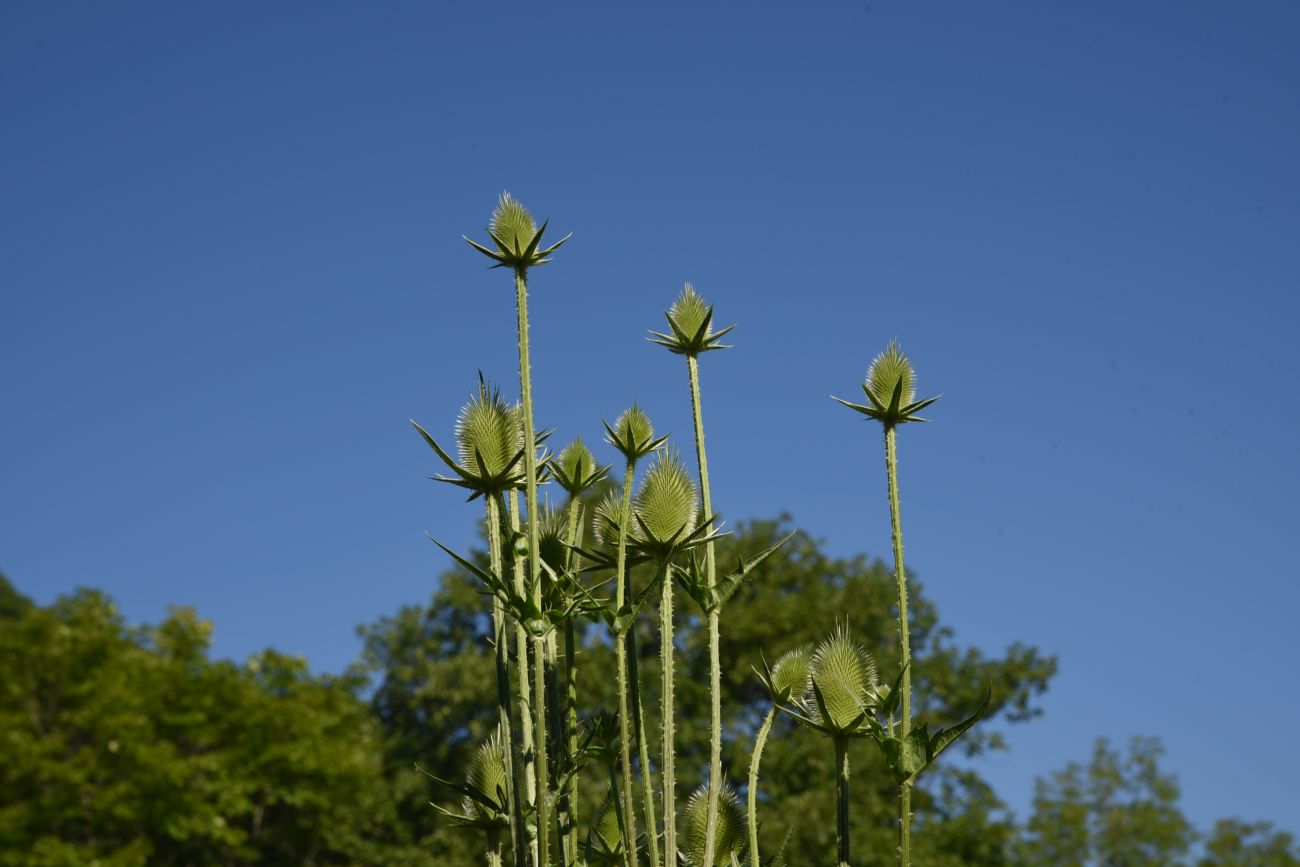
point(512, 223)
point(730, 828)
point(789, 675)
point(605, 522)
point(845, 674)
point(666, 504)
point(885, 372)
point(490, 427)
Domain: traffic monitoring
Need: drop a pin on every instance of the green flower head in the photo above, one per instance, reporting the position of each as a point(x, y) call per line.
point(730, 829)
point(490, 443)
point(843, 683)
point(690, 320)
point(633, 434)
point(788, 678)
point(575, 468)
point(890, 387)
point(607, 520)
point(667, 505)
point(605, 839)
point(516, 237)
point(487, 773)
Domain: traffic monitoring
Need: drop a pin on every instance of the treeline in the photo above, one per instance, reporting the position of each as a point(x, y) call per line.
point(124, 745)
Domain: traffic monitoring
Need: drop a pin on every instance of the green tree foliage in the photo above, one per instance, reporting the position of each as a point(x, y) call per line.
point(127, 746)
point(1234, 843)
point(434, 695)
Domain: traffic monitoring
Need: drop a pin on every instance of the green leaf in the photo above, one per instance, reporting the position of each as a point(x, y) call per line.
point(728, 585)
point(944, 738)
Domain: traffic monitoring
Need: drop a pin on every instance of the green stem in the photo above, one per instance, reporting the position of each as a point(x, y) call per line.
point(514, 808)
point(571, 692)
point(494, 853)
point(667, 757)
point(715, 665)
point(522, 699)
point(620, 654)
point(754, 759)
point(534, 570)
point(642, 746)
point(842, 800)
point(904, 633)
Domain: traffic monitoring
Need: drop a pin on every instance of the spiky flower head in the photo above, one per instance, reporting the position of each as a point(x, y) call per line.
point(605, 839)
point(730, 828)
point(843, 683)
point(489, 433)
point(667, 504)
point(552, 542)
point(690, 320)
point(490, 443)
point(575, 468)
point(788, 678)
point(633, 434)
point(607, 520)
point(890, 387)
point(487, 773)
point(516, 237)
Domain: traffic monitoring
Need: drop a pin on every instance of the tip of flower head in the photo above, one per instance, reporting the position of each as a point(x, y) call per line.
point(690, 321)
point(689, 311)
point(729, 826)
point(512, 223)
point(632, 433)
point(887, 370)
point(575, 467)
point(789, 675)
point(845, 675)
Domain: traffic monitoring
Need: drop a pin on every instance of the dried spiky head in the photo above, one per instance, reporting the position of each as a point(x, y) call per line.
point(845, 676)
point(730, 829)
point(789, 676)
point(667, 505)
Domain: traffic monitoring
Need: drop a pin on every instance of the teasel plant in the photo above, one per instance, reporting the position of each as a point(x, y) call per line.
point(517, 245)
point(576, 471)
point(691, 333)
point(727, 824)
point(787, 679)
point(633, 435)
point(890, 389)
point(484, 803)
point(490, 441)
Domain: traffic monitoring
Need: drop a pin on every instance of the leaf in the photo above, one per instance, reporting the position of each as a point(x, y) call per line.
point(944, 738)
point(895, 696)
point(728, 585)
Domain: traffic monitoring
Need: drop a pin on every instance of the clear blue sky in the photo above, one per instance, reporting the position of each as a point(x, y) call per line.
point(231, 269)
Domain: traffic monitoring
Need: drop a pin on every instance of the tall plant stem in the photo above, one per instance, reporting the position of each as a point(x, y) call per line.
point(715, 664)
point(905, 640)
point(760, 740)
point(620, 657)
point(842, 801)
point(522, 699)
point(494, 853)
point(642, 746)
point(571, 693)
point(534, 571)
point(514, 809)
point(667, 759)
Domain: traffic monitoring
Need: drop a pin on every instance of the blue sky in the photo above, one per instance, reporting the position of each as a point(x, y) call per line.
point(232, 269)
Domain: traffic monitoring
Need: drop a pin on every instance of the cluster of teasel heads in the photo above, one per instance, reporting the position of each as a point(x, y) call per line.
point(522, 789)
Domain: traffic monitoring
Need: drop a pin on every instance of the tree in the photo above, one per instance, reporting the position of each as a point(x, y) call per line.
point(1234, 843)
point(434, 698)
point(128, 746)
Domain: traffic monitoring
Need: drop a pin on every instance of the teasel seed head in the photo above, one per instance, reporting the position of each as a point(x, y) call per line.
point(605, 839)
point(667, 504)
point(890, 387)
point(575, 468)
point(845, 676)
point(690, 321)
point(788, 677)
point(490, 428)
point(605, 521)
point(487, 773)
point(730, 828)
point(633, 434)
point(516, 237)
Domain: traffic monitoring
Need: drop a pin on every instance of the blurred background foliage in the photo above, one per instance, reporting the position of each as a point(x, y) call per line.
point(124, 745)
